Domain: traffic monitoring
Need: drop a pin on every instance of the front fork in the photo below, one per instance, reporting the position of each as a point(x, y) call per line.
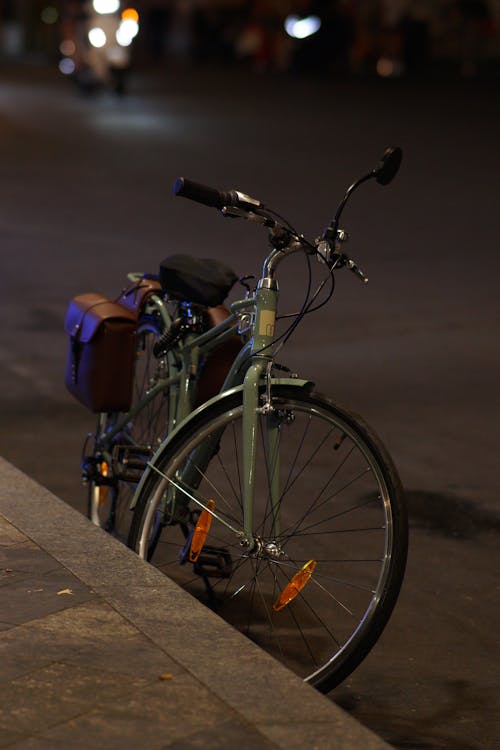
point(259, 372)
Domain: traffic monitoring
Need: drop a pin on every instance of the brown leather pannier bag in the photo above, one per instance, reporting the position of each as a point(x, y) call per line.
point(136, 295)
point(100, 366)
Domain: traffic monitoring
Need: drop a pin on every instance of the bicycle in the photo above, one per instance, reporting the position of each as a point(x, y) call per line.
point(274, 506)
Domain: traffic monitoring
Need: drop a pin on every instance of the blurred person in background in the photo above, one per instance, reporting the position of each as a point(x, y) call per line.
point(416, 36)
point(95, 50)
point(475, 26)
point(260, 38)
point(156, 30)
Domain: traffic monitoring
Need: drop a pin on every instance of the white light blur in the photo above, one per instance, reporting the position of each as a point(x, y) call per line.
point(301, 28)
point(122, 39)
point(97, 37)
point(106, 6)
point(67, 66)
point(127, 30)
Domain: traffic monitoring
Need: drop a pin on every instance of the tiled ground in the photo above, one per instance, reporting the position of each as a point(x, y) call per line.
point(100, 650)
point(74, 672)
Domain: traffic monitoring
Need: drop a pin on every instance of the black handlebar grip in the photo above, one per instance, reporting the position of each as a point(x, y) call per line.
point(202, 194)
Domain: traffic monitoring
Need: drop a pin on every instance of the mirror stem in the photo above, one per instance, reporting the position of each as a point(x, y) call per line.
point(331, 231)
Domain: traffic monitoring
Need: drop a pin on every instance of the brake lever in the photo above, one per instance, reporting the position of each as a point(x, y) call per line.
point(235, 212)
point(352, 266)
point(335, 259)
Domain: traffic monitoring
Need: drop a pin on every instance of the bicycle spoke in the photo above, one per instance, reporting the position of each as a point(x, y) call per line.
point(299, 449)
point(349, 484)
point(229, 480)
point(239, 563)
point(276, 588)
point(269, 615)
point(291, 612)
point(341, 560)
point(333, 475)
point(289, 484)
point(231, 517)
point(191, 497)
point(313, 506)
point(239, 494)
point(252, 597)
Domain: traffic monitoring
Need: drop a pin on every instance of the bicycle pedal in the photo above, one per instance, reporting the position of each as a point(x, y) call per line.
point(214, 562)
point(130, 461)
point(97, 469)
point(184, 553)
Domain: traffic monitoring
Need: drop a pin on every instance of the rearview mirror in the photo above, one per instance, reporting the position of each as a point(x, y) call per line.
point(389, 165)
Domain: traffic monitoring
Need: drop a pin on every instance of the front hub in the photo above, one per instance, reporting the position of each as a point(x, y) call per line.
point(267, 550)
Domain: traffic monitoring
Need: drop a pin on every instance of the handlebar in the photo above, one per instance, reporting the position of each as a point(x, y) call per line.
point(212, 197)
point(383, 173)
point(283, 238)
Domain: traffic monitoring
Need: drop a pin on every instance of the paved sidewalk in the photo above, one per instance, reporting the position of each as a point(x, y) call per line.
point(100, 650)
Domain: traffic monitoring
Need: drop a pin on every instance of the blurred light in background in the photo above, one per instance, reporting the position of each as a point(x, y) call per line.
point(388, 68)
point(97, 37)
point(130, 14)
point(49, 15)
point(117, 56)
point(67, 47)
point(126, 32)
point(106, 6)
point(300, 28)
point(67, 66)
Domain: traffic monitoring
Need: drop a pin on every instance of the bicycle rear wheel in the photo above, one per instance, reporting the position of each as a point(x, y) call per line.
point(117, 469)
point(340, 506)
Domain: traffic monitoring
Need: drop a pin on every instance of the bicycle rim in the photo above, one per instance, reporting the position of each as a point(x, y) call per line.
point(339, 506)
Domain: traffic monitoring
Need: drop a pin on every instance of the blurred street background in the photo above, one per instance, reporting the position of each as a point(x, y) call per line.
point(259, 97)
point(96, 42)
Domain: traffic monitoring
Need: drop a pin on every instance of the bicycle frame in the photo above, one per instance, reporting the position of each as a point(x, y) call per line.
point(250, 370)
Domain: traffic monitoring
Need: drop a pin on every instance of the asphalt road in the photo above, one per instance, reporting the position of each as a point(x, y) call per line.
point(86, 197)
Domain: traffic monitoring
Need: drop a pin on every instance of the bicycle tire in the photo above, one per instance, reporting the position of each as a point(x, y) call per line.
point(108, 505)
point(350, 482)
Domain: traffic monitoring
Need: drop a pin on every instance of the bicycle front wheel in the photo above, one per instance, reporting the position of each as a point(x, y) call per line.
point(118, 468)
point(321, 583)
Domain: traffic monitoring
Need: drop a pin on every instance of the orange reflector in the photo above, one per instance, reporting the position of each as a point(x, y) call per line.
point(295, 586)
point(103, 489)
point(201, 530)
point(130, 14)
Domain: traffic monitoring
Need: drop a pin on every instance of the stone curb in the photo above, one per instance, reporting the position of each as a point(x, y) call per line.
point(263, 693)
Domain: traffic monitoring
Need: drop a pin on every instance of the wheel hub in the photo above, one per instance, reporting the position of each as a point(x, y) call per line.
point(267, 550)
